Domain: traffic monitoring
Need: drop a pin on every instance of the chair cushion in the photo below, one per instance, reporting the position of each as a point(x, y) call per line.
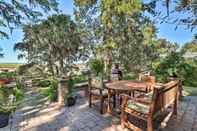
point(97, 92)
point(138, 106)
point(147, 97)
point(97, 82)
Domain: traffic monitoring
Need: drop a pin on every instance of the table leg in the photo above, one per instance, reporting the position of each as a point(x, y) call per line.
point(133, 93)
point(114, 99)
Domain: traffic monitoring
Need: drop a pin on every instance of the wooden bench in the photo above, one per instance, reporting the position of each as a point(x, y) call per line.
point(150, 106)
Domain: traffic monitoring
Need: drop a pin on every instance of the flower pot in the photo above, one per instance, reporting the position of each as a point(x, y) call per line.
point(71, 101)
point(4, 81)
point(4, 119)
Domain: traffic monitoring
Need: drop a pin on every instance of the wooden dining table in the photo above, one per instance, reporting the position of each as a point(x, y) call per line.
point(123, 86)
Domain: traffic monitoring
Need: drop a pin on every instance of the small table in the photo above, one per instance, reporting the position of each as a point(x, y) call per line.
point(124, 86)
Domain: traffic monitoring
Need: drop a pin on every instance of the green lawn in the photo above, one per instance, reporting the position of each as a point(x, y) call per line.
point(9, 65)
point(189, 91)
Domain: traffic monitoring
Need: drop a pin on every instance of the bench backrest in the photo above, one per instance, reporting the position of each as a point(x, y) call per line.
point(164, 96)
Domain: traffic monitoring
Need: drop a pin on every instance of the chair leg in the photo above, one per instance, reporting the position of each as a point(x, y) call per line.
point(123, 118)
point(101, 106)
point(133, 93)
point(175, 108)
point(90, 100)
point(120, 101)
point(150, 124)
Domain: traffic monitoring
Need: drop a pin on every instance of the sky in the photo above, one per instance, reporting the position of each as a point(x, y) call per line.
point(167, 31)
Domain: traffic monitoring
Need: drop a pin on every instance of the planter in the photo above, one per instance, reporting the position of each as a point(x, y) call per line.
point(4, 119)
point(4, 81)
point(70, 101)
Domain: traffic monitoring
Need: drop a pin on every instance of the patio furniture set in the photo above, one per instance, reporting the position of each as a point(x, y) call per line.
point(143, 99)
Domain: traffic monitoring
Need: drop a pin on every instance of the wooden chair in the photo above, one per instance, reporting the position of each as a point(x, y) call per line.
point(97, 88)
point(150, 82)
point(149, 107)
point(143, 74)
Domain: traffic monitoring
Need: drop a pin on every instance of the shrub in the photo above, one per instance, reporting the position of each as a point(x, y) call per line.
point(6, 104)
point(50, 91)
point(79, 79)
point(41, 83)
point(7, 75)
point(175, 65)
point(71, 95)
point(97, 66)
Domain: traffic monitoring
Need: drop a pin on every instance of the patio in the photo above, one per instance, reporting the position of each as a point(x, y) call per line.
point(38, 115)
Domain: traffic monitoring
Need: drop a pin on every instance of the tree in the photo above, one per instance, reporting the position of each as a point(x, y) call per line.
point(120, 28)
point(179, 13)
point(1, 54)
point(54, 42)
point(15, 12)
point(191, 46)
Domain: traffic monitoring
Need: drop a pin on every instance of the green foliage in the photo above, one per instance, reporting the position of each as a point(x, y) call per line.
point(50, 91)
point(15, 11)
point(6, 104)
point(8, 75)
point(41, 83)
point(129, 76)
point(54, 43)
point(189, 91)
point(71, 92)
point(97, 66)
point(175, 65)
point(121, 30)
point(191, 46)
point(79, 79)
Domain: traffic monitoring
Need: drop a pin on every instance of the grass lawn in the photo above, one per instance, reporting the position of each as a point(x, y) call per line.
point(189, 91)
point(9, 65)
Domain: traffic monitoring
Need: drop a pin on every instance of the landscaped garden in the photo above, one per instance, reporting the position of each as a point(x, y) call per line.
point(104, 67)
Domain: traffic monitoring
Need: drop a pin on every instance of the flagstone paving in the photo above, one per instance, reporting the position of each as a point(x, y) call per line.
point(38, 115)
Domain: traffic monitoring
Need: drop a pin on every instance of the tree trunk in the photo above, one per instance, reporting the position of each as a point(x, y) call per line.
point(51, 67)
point(61, 67)
point(109, 67)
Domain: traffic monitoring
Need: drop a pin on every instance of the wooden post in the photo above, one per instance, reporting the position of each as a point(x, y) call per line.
point(62, 90)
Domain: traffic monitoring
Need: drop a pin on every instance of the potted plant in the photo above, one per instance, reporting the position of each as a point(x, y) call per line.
point(70, 96)
point(97, 69)
point(9, 100)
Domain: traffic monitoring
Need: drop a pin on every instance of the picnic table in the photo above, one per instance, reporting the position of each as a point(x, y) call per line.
point(124, 86)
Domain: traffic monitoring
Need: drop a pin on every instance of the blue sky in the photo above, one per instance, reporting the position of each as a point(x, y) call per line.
point(167, 31)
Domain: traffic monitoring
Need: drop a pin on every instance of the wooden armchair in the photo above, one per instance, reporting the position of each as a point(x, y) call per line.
point(97, 88)
point(143, 74)
point(150, 83)
point(149, 107)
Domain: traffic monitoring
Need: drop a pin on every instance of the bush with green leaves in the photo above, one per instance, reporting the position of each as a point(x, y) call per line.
point(175, 65)
point(41, 82)
point(71, 93)
point(79, 78)
point(97, 66)
point(7, 103)
point(8, 75)
point(50, 91)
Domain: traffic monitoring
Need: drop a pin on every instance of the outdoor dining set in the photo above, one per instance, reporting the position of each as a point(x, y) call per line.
point(144, 99)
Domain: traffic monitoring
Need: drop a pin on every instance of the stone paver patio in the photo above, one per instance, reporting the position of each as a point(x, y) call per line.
point(38, 115)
